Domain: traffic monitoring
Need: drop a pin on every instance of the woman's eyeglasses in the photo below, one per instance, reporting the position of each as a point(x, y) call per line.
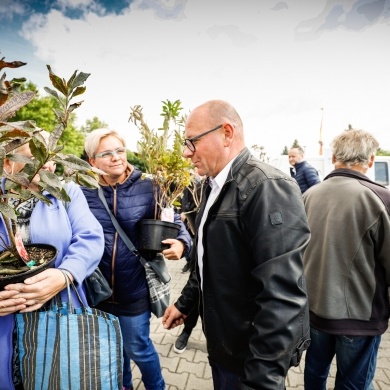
point(111, 153)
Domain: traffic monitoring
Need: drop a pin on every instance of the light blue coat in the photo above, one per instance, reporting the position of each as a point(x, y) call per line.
point(77, 235)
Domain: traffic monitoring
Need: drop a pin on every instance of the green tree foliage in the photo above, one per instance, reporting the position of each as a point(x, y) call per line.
point(134, 159)
point(383, 152)
point(41, 111)
point(92, 124)
point(295, 144)
point(285, 151)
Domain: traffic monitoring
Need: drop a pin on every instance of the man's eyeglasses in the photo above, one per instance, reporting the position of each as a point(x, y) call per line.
point(189, 142)
point(109, 154)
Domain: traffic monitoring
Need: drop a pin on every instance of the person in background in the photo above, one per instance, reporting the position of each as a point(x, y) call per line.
point(248, 281)
point(78, 237)
point(347, 266)
point(130, 199)
point(190, 321)
point(189, 204)
point(305, 175)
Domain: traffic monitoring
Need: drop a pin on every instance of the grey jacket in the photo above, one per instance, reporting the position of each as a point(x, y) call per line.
point(347, 262)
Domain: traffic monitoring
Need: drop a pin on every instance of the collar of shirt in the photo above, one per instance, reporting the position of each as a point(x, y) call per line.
point(218, 181)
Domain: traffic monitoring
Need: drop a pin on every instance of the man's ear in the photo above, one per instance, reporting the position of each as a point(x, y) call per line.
point(371, 162)
point(228, 130)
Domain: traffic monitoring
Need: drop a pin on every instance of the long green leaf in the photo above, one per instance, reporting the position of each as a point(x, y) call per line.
point(7, 210)
point(52, 92)
point(57, 82)
point(80, 79)
point(50, 179)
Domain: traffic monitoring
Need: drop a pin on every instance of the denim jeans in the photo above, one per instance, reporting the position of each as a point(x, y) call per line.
point(138, 347)
point(355, 359)
point(224, 379)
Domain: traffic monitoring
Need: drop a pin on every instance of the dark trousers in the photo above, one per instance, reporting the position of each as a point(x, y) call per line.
point(356, 360)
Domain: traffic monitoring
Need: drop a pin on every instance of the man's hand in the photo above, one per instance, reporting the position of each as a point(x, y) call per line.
point(175, 251)
point(172, 317)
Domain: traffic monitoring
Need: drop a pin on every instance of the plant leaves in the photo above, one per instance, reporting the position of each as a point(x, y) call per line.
point(57, 82)
point(18, 178)
point(87, 181)
point(52, 92)
point(80, 79)
point(78, 91)
point(14, 103)
point(39, 150)
point(73, 106)
point(58, 193)
point(7, 211)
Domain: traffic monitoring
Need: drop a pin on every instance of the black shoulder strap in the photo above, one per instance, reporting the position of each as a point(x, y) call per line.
point(119, 229)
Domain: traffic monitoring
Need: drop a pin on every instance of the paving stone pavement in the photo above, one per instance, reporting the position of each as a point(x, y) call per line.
point(190, 370)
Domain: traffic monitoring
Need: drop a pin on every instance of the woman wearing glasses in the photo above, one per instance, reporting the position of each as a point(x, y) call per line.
point(131, 199)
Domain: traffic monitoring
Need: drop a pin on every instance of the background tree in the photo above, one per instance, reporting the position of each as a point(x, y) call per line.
point(383, 152)
point(285, 151)
point(92, 124)
point(295, 144)
point(41, 111)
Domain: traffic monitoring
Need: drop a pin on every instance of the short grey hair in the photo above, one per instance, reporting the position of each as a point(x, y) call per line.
point(354, 147)
point(94, 137)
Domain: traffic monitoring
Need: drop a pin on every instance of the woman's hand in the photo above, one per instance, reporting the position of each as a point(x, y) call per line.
point(9, 304)
point(38, 289)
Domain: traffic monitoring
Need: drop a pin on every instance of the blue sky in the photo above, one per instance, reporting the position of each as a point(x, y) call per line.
point(278, 62)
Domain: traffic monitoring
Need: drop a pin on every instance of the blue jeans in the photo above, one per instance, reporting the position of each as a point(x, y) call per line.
point(355, 358)
point(138, 347)
point(224, 379)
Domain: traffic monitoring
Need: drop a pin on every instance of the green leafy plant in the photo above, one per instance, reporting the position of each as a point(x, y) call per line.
point(161, 152)
point(15, 134)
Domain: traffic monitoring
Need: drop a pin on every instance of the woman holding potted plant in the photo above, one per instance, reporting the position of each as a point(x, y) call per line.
point(131, 199)
point(77, 236)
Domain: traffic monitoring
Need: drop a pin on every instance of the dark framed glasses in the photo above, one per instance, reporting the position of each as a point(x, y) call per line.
point(189, 142)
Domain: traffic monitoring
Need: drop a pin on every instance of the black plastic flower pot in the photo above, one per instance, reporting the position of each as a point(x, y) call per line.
point(153, 231)
point(45, 263)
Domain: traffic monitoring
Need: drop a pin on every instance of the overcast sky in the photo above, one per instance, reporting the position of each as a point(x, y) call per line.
point(278, 62)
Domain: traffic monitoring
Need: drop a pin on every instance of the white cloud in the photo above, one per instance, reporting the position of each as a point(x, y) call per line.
point(10, 8)
point(245, 52)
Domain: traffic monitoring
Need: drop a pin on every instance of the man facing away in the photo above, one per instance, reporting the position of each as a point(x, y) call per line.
point(305, 175)
point(248, 278)
point(347, 266)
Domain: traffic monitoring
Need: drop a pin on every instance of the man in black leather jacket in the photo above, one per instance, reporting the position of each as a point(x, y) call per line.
point(248, 282)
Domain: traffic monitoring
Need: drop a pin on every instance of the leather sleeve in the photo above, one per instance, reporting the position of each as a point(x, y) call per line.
point(279, 236)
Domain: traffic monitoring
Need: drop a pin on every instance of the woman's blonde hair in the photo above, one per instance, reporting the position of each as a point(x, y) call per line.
point(94, 137)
